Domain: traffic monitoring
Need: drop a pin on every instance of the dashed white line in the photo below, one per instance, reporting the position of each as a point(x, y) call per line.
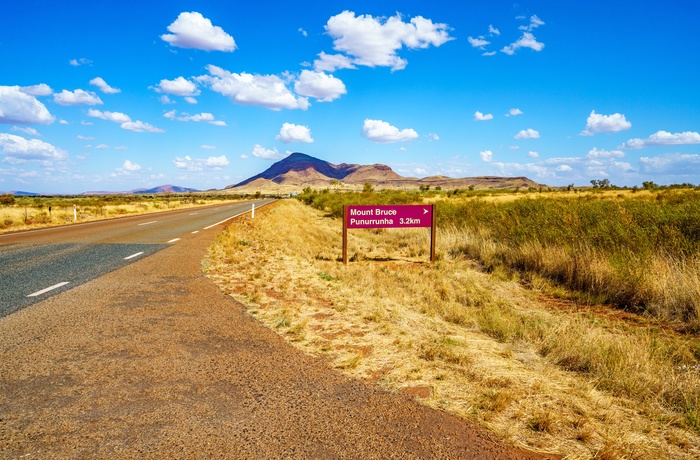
point(193, 214)
point(148, 223)
point(174, 240)
point(225, 220)
point(196, 231)
point(51, 288)
point(133, 255)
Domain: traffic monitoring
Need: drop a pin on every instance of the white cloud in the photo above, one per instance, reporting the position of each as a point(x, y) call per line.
point(121, 147)
point(433, 137)
point(374, 42)
point(332, 62)
point(533, 154)
point(486, 155)
point(31, 131)
point(535, 22)
point(104, 87)
point(129, 166)
point(674, 164)
point(18, 107)
point(478, 42)
point(77, 97)
point(528, 134)
point(101, 146)
point(42, 89)
point(190, 100)
point(192, 30)
point(526, 41)
point(489, 53)
point(597, 123)
point(261, 152)
point(294, 133)
point(17, 149)
point(478, 116)
point(201, 164)
point(319, 85)
point(166, 100)
point(116, 117)
point(208, 147)
point(84, 138)
point(204, 116)
point(178, 87)
point(268, 91)
point(514, 112)
point(244, 156)
point(303, 32)
point(601, 153)
point(140, 127)
point(383, 133)
point(493, 30)
point(663, 138)
point(79, 62)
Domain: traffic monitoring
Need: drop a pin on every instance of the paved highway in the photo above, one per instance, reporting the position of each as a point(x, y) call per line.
point(40, 263)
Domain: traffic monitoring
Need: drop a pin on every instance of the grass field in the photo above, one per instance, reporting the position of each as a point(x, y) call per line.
point(543, 363)
point(23, 213)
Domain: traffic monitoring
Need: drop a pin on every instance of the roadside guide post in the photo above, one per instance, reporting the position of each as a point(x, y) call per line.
point(389, 216)
point(252, 211)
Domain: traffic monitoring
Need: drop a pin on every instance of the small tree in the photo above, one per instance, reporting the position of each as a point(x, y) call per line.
point(368, 188)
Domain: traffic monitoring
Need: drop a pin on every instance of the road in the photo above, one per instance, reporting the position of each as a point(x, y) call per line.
point(152, 360)
point(41, 263)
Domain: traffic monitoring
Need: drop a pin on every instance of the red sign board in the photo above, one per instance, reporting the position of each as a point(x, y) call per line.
point(389, 216)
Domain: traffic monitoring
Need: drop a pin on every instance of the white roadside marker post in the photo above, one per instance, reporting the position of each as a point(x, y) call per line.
point(252, 211)
point(75, 213)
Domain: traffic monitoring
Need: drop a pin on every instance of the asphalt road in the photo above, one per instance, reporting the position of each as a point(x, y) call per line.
point(37, 264)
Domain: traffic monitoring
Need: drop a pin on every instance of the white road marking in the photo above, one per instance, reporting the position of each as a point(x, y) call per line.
point(133, 255)
point(174, 240)
point(225, 220)
point(196, 231)
point(148, 223)
point(193, 214)
point(44, 291)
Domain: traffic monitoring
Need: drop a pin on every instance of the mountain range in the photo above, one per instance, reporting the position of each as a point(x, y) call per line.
point(301, 170)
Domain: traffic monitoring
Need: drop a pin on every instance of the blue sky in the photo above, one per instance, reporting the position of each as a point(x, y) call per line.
point(118, 95)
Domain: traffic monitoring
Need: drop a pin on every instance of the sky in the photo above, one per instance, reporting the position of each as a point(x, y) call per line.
point(119, 95)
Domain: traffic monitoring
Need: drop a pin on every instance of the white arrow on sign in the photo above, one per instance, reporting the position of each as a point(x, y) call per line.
point(425, 211)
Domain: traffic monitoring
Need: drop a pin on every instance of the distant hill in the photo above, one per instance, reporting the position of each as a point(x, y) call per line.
point(301, 170)
point(19, 193)
point(142, 191)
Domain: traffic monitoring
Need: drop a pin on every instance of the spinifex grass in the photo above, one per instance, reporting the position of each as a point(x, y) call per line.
point(536, 370)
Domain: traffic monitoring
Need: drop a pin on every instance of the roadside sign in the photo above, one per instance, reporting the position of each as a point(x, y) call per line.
point(388, 216)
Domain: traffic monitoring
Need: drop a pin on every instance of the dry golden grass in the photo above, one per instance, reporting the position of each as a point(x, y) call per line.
point(538, 372)
point(18, 217)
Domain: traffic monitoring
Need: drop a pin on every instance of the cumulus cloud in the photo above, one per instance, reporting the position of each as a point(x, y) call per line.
point(675, 164)
point(602, 153)
point(129, 166)
point(478, 116)
point(204, 116)
point(101, 146)
point(190, 100)
point(528, 134)
point(201, 164)
point(42, 89)
point(178, 87)
point(526, 41)
point(433, 137)
point(261, 152)
point(17, 149)
point(140, 127)
point(478, 42)
point(319, 85)
point(79, 62)
point(27, 130)
point(77, 97)
point(375, 42)
point(116, 117)
point(290, 133)
point(208, 147)
point(332, 62)
point(18, 107)
point(663, 138)
point(493, 30)
point(533, 154)
point(535, 22)
point(486, 155)
point(268, 91)
point(382, 132)
point(514, 112)
point(104, 87)
point(598, 123)
point(192, 30)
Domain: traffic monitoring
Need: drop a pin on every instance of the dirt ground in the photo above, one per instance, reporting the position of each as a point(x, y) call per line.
point(153, 361)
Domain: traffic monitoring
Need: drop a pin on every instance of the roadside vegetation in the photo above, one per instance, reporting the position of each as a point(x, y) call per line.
point(564, 322)
point(26, 212)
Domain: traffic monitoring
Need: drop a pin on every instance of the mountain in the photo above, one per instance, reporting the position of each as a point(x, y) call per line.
point(301, 170)
point(143, 191)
